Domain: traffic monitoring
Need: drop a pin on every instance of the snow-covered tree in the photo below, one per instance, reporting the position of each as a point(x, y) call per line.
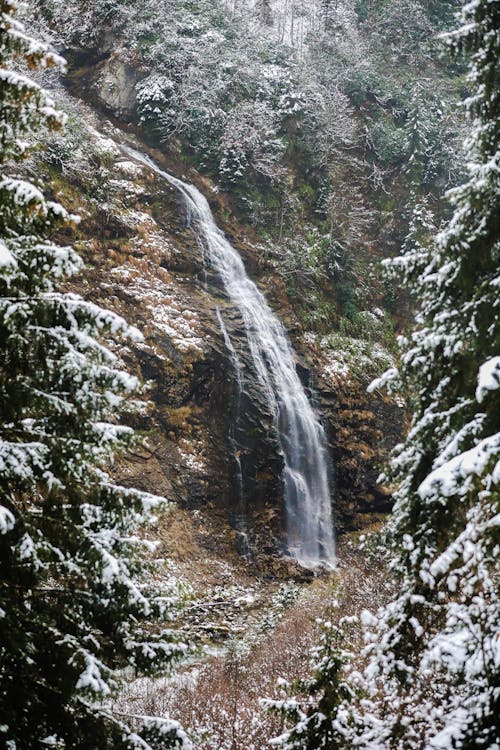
point(322, 717)
point(264, 11)
point(250, 141)
point(74, 610)
point(435, 649)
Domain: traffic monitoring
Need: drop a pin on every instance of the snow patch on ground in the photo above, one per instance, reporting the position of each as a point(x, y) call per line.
point(126, 187)
point(129, 168)
point(102, 143)
point(169, 316)
point(190, 453)
point(338, 357)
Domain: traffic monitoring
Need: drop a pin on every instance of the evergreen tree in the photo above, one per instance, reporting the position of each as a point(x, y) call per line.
point(71, 597)
point(435, 648)
point(324, 717)
point(264, 11)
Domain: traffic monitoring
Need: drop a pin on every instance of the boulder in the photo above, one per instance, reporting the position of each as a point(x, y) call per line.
point(115, 86)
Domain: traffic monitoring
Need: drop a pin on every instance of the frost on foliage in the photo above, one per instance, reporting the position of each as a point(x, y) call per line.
point(434, 663)
point(338, 357)
point(324, 715)
point(250, 141)
point(73, 590)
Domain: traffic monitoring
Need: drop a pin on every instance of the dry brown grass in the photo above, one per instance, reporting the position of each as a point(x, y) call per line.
point(218, 699)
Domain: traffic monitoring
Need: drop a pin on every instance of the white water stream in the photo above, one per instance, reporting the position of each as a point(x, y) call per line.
point(310, 536)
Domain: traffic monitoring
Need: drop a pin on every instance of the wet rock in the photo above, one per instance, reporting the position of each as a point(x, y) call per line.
point(362, 429)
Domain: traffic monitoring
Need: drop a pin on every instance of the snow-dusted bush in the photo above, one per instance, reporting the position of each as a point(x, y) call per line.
point(156, 102)
point(250, 141)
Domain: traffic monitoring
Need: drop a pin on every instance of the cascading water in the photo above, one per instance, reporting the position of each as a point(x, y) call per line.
point(310, 537)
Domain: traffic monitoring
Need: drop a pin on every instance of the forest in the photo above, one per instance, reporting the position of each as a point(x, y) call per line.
point(249, 374)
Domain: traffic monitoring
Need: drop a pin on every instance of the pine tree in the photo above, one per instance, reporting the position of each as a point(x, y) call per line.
point(435, 648)
point(73, 608)
point(264, 12)
point(323, 718)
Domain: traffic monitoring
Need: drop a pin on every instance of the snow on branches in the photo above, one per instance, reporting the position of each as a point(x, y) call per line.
point(434, 653)
point(74, 601)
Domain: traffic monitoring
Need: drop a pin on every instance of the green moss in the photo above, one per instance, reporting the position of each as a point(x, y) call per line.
point(146, 40)
point(307, 193)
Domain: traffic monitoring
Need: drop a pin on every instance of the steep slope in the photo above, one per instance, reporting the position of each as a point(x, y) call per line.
point(145, 262)
point(323, 284)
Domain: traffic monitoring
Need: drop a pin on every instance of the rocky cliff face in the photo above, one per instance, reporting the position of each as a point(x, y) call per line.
point(144, 262)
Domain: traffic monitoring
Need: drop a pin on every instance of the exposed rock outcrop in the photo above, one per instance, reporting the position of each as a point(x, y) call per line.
point(115, 86)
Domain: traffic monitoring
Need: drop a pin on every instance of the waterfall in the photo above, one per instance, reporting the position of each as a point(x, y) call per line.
point(309, 527)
